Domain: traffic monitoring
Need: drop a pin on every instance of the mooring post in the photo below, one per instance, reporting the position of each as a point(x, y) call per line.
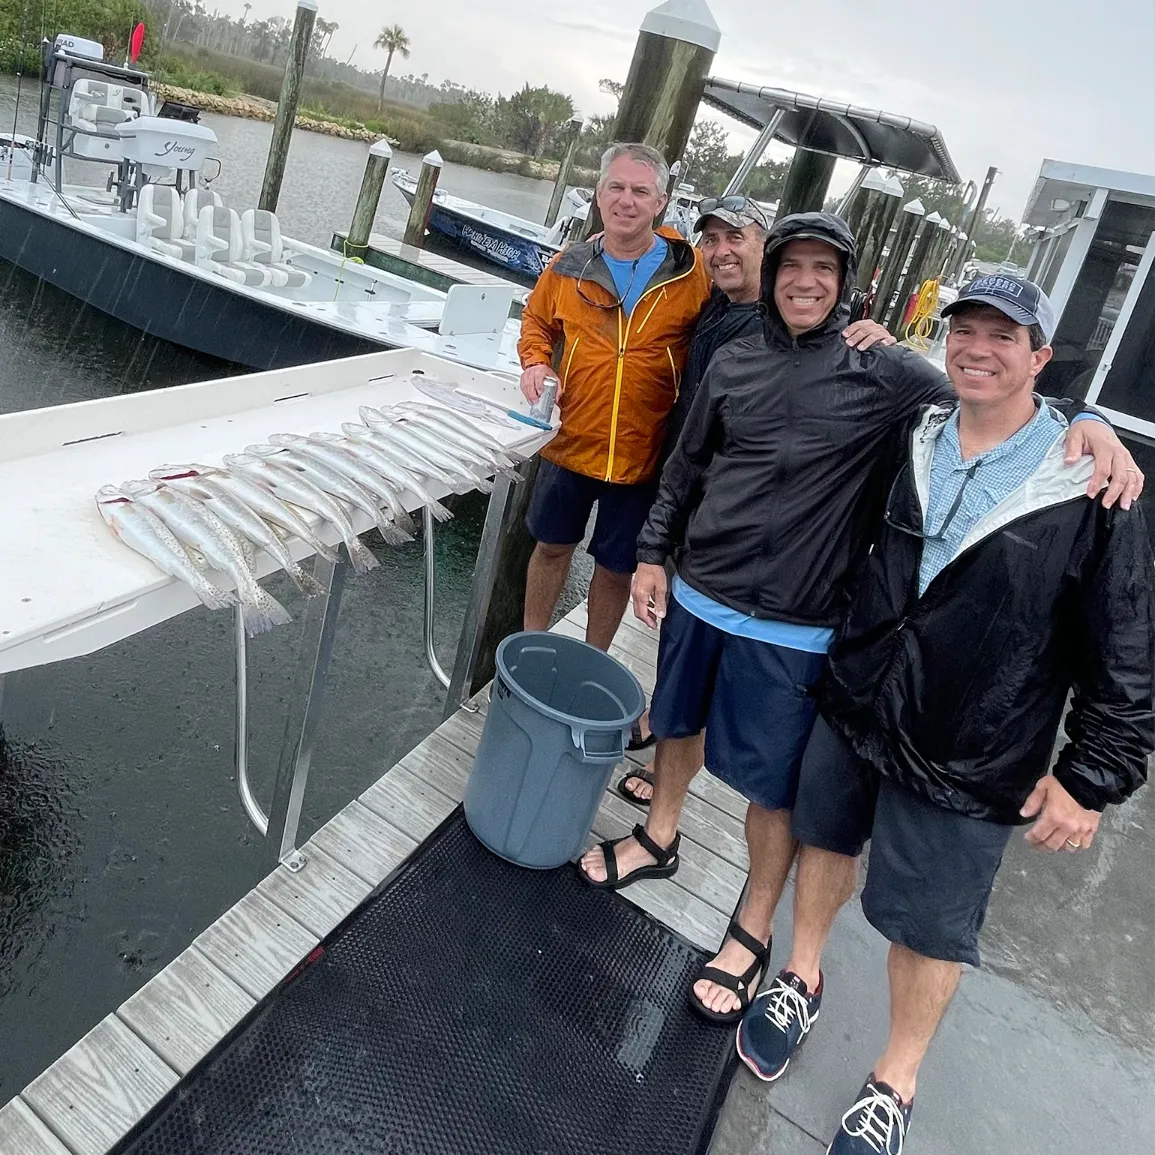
point(895, 261)
point(575, 131)
point(423, 199)
point(913, 277)
point(287, 105)
point(357, 242)
point(676, 46)
point(807, 183)
point(877, 221)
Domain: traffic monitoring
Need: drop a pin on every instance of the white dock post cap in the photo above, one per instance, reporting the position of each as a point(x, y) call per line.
point(945, 225)
point(433, 159)
point(310, 4)
point(893, 187)
point(934, 219)
point(688, 20)
point(874, 181)
point(916, 207)
point(380, 148)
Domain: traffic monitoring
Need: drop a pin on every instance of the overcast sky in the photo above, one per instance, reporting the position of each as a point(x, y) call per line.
point(1008, 82)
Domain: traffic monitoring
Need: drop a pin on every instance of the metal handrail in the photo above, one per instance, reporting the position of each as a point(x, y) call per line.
point(439, 673)
point(252, 807)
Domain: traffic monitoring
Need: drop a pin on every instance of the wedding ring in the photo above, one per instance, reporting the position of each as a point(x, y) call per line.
point(1074, 845)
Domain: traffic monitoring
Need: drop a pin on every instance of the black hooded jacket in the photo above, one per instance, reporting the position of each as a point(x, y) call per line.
point(768, 500)
point(956, 693)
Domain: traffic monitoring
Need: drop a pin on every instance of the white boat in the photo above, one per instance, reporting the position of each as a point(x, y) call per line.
point(159, 251)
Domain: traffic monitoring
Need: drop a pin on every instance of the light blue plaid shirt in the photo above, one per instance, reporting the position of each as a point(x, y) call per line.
point(985, 481)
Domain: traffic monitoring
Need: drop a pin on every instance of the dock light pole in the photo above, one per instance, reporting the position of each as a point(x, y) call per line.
point(877, 221)
point(357, 242)
point(423, 199)
point(908, 221)
point(287, 105)
point(676, 46)
point(574, 135)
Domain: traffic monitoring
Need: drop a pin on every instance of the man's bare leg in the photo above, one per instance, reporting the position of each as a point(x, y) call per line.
point(548, 566)
point(921, 989)
point(771, 853)
point(825, 882)
point(676, 761)
point(609, 595)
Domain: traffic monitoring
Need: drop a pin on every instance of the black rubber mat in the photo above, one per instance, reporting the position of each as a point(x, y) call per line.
point(469, 1007)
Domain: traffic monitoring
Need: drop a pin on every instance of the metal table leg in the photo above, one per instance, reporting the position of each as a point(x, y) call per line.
point(305, 706)
point(427, 524)
point(252, 807)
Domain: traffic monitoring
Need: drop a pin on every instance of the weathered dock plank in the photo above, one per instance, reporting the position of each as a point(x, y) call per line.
point(184, 1011)
point(442, 763)
point(319, 896)
point(364, 843)
point(406, 798)
point(256, 944)
point(22, 1133)
point(99, 1088)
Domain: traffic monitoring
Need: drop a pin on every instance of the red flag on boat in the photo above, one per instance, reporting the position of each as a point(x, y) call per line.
point(136, 43)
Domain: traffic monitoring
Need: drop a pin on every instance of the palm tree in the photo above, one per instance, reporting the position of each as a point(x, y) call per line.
point(392, 39)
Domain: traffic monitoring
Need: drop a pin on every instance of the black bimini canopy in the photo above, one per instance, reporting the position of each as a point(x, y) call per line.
point(865, 135)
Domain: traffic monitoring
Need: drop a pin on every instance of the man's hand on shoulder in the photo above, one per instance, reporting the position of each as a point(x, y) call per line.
point(1115, 468)
point(1060, 822)
point(649, 594)
point(533, 380)
point(865, 334)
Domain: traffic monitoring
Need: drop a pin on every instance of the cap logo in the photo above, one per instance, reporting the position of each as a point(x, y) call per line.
point(996, 285)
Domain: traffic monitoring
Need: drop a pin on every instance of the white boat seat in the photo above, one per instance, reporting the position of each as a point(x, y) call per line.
point(159, 220)
point(262, 246)
point(220, 245)
point(195, 200)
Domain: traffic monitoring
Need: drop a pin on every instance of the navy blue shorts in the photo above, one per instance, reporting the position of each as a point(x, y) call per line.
point(560, 510)
point(931, 870)
point(752, 698)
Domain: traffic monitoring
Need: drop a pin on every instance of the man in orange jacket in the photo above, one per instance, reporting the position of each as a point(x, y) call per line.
point(611, 319)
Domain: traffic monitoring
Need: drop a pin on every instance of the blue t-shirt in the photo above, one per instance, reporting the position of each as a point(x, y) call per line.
point(631, 277)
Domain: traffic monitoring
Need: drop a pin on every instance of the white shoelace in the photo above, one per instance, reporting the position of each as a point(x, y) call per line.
point(881, 1123)
point(785, 1004)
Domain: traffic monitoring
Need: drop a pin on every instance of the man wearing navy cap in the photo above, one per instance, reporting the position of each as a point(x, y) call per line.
point(994, 589)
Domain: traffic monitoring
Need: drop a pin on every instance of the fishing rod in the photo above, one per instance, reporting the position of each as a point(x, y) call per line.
point(19, 85)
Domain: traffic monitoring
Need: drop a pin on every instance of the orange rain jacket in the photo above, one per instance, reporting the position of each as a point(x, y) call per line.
point(619, 375)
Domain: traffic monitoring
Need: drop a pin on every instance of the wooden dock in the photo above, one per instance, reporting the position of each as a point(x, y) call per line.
point(99, 1089)
point(432, 269)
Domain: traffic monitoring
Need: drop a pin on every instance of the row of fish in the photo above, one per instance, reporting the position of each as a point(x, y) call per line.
point(193, 519)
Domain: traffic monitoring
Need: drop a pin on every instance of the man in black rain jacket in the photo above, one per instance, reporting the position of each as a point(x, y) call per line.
point(994, 588)
point(768, 504)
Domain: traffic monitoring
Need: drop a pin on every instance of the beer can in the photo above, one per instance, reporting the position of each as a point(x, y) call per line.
point(542, 408)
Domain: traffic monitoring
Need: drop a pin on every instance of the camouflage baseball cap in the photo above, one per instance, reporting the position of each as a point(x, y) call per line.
point(735, 210)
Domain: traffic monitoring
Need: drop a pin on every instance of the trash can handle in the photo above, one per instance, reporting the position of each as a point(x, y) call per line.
point(578, 733)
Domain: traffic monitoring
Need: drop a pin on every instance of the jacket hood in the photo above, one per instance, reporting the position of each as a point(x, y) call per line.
point(827, 227)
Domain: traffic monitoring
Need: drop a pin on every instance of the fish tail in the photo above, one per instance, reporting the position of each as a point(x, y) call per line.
point(404, 522)
point(261, 611)
point(360, 555)
point(393, 533)
point(438, 510)
point(304, 581)
point(212, 596)
point(323, 550)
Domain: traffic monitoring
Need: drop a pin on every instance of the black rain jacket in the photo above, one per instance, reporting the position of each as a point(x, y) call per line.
point(957, 694)
point(768, 499)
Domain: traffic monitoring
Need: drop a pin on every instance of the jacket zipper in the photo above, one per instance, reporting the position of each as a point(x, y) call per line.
point(623, 341)
point(674, 373)
point(569, 362)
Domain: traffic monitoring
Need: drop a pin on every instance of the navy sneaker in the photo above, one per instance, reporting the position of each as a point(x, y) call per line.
point(875, 1125)
point(777, 1024)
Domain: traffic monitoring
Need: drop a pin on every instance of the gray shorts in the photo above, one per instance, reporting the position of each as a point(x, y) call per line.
point(931, 870)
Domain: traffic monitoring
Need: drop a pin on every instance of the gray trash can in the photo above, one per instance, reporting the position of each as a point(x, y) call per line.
point(559, 718)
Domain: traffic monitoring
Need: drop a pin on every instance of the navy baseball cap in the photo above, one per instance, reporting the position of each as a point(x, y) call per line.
point(1023, 301)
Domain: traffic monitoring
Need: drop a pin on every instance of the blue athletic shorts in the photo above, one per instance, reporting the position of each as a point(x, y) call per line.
point(560, 507)
point(931, 870)
point(752, 698)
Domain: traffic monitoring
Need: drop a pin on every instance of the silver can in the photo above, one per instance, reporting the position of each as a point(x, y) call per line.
point(542, 408)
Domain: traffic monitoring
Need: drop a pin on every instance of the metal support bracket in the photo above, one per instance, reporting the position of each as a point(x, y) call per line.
point(754, 154)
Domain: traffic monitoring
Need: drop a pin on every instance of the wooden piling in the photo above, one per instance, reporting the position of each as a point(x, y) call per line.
point(877, 222)
point(908, 221)
point(807, 183)
point(423, 199)
point(380, 154)
point(913, 276)
point(287, 105)
point(575, 131)
point(676, 46)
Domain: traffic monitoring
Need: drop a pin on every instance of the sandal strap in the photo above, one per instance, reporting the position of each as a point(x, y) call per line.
point(646, 776)
point(663, 854)
point(760, 950)
point(741, 984)
point(610, 857)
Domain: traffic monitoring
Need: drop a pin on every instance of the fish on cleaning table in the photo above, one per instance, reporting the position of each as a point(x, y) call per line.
point(460, 430)
point(423, 448)
point(200, 528)
point(409, 459)
point(141, 530)
point(291, 485)
point(239, 516)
